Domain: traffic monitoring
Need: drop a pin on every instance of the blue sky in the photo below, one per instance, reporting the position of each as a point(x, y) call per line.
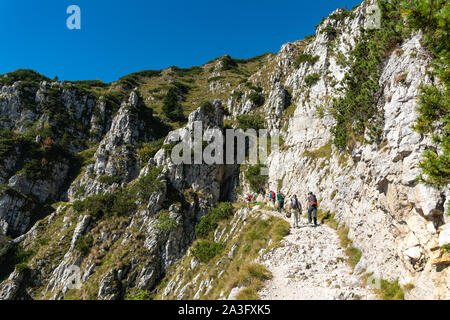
point(120, 37)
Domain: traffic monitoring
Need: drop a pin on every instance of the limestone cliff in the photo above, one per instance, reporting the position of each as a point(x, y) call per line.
point(89, 192)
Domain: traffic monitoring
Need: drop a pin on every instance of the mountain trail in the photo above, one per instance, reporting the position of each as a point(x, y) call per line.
point(311, 265)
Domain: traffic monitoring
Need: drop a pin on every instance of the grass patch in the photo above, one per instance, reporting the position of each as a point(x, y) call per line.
point(247, 294)
point(322, 152)
point(252, 276)
point(390, 290)
point(139, 295)
point(353, 253)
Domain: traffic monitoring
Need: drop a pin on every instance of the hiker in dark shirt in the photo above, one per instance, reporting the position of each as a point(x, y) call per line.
point(312, 208)
point(280, 198)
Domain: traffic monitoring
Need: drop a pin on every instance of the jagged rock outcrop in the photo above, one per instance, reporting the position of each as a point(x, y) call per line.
point(44, 124)
point(116, 160)
point(149, 240)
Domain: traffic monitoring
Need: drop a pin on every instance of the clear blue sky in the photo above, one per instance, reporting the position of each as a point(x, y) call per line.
point(120, 37)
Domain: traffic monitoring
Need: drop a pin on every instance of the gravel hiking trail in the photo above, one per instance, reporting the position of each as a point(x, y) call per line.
point(311, 265)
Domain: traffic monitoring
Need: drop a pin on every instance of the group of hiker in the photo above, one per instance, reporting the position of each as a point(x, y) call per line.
point(277, 200)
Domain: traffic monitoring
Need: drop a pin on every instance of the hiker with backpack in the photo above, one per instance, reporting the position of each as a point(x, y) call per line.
point(272, 199)
point(296, 208)
point(312, 208)
point(280, 198)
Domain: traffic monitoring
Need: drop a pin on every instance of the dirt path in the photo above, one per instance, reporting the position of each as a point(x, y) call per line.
point(311, 265)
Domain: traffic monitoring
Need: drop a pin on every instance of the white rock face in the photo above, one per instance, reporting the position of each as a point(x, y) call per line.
point(444, 235)
point(116, 155)
point(375, 192)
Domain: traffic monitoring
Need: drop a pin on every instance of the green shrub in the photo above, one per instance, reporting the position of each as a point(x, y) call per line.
point(250, 121)
point(257, 98)
point(165, 223)
point(330, 31)
point(124, 203)
point(251, 86)
point(148, 150)
point(147, 184)
point(182, 72)
point(22, 75)
point(431, 17)
point(237, 95)
point(356, 112)
point(210, 221)
point(84, 244)
point(341, 15)
point(168, 147)
point(205, 250)
point(228, 63)
point(306, 58)
point(256, 180)
point(212, 79)
point(172, 109)
point(106, 179)
point(89, 84)
point(312, 79)
point(98, 206)
point(22, 255)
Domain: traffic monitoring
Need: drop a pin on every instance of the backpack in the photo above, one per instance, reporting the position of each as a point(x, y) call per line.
point(294, 203)
point(313, 201)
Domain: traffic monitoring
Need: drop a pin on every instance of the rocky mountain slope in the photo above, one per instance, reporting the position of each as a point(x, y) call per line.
point(90, 195)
